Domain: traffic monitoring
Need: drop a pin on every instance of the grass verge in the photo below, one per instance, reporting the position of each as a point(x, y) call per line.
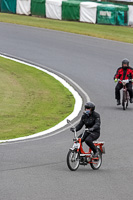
point(118, 33)
point(30, 100)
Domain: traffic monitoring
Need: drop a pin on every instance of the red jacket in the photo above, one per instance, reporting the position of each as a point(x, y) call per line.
point(124, 74)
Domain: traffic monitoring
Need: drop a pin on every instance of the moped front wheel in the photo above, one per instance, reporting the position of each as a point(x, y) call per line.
point(124, 102)
point(96, 162)
point(73, 160)
point(127, 103)
point(124, 105)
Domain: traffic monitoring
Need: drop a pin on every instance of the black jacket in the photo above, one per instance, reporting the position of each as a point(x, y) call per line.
point(91, 121)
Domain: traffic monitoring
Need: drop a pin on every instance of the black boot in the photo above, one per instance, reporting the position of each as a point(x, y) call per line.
point(118, 102)
point(96, 154)
point(131, 100)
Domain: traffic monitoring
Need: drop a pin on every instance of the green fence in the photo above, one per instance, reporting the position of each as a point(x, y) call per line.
point(112, 14)
point(70, 10)
point(0, 5)
point(106, 14)
point(8, 6)
point(38, 8)
point(122, 15)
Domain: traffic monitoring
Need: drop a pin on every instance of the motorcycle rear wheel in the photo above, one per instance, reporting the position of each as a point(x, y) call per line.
point(96, 163)
point(73, 160)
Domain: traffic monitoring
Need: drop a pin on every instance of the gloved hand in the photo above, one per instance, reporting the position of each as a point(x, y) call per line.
point(72, 129)
point(91, 129)
point(116, 80)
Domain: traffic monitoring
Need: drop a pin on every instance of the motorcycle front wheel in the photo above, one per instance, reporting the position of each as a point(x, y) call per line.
point(73, 160)
point(96, 163)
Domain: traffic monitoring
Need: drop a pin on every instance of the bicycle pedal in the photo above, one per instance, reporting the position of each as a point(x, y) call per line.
point(83, 163)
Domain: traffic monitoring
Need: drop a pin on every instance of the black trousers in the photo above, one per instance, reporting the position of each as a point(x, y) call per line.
point(119, 86)
point(88, 138)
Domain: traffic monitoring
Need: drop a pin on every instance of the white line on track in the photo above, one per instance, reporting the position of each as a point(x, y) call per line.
point(74, 114)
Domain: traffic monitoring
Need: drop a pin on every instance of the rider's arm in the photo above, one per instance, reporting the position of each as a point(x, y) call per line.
point(117, 75)
point(130, 76)
point(80, 125)
point(132, 73)
point(97, 124)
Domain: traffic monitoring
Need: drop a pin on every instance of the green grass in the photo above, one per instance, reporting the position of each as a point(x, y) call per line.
point(118, 33)
point(30, 100)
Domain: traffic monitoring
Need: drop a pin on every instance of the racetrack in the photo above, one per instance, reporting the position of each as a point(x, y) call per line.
point(36, 169)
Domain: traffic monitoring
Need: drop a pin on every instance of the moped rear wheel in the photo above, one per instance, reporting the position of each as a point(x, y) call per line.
point(96, 163)
point(73, 160)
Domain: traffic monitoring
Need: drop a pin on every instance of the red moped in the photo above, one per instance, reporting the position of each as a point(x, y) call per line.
point(77, 156)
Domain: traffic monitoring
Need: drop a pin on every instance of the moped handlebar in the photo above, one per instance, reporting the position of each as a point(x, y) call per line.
point(75, 133)
point(125, 81)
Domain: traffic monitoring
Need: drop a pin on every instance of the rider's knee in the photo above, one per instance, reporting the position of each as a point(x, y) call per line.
point(88, 142)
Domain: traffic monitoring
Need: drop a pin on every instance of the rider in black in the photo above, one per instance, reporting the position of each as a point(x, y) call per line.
point(91, 120)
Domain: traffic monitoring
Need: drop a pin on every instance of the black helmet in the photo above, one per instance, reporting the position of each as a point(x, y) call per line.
point(89, 105)
point(125, 61)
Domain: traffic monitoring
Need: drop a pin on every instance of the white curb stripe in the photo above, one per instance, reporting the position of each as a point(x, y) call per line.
point(77, 106)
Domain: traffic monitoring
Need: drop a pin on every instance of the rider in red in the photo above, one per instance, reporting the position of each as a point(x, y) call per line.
point(123, 73)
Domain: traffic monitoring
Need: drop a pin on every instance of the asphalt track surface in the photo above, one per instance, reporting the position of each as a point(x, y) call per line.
point(36, 169)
